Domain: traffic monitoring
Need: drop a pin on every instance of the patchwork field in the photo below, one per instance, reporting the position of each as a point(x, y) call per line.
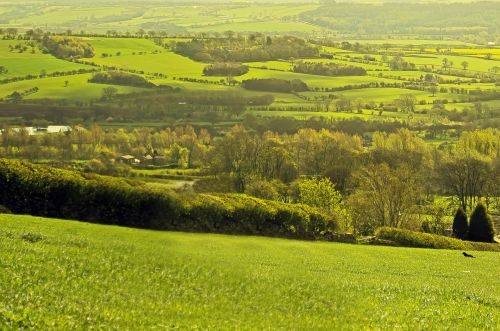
point(76, 275)
point(142, 40)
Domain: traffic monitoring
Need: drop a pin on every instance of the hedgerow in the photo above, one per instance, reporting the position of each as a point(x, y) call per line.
point(36, 190)
point(401, 237)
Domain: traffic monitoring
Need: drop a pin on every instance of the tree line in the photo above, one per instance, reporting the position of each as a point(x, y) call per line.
point(328, 69)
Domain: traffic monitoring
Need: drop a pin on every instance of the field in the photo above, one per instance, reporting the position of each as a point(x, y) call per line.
point(78, 88)
point(71, 275)
point(28, 63)
point(141, 37)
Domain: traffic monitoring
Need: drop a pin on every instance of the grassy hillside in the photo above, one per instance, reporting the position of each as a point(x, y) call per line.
point(70, 275)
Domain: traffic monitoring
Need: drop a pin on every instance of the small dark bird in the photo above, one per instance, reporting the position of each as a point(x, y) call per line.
point(468, 255)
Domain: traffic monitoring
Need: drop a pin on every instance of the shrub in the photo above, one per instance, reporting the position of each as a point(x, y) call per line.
point(42, 191)
point(261, 189)
point(481, 225)
point(460, 224)
point(409, 238)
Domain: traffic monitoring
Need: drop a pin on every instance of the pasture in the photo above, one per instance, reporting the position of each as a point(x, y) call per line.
point(31, 61)
point(77, 276)
point(78, 88)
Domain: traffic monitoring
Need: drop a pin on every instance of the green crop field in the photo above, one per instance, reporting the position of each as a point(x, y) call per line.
point(70, 275)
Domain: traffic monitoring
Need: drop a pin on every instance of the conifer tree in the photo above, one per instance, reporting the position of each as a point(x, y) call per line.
point(481, 225)
point(460, 224)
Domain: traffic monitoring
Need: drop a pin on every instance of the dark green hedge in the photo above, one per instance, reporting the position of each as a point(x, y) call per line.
point(401, 237)
point(36, 190)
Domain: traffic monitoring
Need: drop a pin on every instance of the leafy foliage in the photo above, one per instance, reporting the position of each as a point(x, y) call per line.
point(402, 237)
point(255, 48)
point(120, 78)
point(37, 190)
point(64, 47)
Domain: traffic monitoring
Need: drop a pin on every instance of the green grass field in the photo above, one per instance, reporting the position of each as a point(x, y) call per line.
point(27, 63)
point(54, 88)
point(70, 275)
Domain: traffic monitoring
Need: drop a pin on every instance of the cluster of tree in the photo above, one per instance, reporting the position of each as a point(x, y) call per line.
point(384, 185)
point(182, 146)
point(120, 78)
point(328, 69)
point(3, 70)
point(480, 228)
point(225, 69)
point(246, 49)
point(383, 182)
point(398, 63)
point(275, 85)
point(65, 47)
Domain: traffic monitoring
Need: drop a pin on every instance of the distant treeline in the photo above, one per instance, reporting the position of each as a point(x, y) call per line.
point(121, 78)
point(457, 19)
point(50, 192)
point(328, 69)
point(275, 85)
point(253, 48)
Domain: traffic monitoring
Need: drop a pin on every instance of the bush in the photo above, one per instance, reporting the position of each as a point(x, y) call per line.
point(241, 214)
point(481, 225)
point(409, 238)
point(42, 191)
point(263, 189)
point(460, 225)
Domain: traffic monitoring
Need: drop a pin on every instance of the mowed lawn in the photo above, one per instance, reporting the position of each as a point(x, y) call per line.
point(70, 275)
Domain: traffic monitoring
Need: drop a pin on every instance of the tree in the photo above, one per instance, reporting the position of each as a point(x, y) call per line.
point(109, 92)
point(407, 102)
point(433, 89)
point(16, 97)
point(467, 171)
point(460, 224)
point(465, 64)
point(481, 225)
point(445, 63)
point(321, 193)
point(383, 197)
